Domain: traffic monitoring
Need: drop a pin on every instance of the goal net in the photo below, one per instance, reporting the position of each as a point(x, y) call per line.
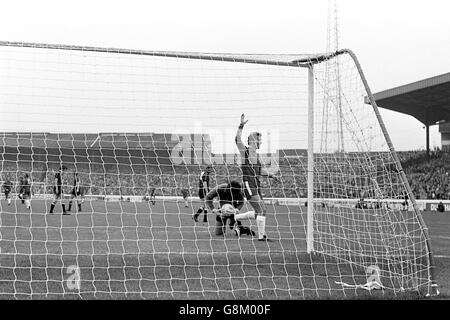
point(139, 127)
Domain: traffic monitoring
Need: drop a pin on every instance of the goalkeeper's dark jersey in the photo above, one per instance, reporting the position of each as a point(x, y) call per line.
point(225, 196)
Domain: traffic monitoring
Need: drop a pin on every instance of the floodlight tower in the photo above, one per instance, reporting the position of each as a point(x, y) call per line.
point(332, 111)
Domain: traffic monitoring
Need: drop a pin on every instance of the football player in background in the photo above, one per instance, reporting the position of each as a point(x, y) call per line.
point(26, 190)
point(203, 189)
point(7, 187)
point(76, 192)
point(185, 195)
point(58, 190)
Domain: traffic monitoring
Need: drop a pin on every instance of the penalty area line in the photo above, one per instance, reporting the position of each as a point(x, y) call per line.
point(441, 237)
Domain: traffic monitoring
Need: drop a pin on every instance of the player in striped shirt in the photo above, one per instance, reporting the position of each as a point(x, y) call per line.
point(76, 192)
point(58, 190)
point(203, 189)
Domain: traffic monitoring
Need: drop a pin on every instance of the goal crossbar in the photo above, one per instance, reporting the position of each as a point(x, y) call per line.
point(288, 60)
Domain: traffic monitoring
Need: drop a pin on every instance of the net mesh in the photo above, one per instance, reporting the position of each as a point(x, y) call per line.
point(130, 123)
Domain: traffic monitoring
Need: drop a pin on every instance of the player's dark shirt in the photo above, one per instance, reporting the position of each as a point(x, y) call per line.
point(26, 185)
point(250, 170)
point(76, 185)
point(76, 182)
point(7, 186)
point(225, 196)
point(57, 188)
point(184, 193)
point(21, 183)
point(204, 177)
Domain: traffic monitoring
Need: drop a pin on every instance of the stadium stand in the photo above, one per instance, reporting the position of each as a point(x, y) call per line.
point(128, 164)
point(428, 179)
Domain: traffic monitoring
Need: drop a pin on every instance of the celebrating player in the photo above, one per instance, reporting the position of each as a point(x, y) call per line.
point(231, 201)
point(76, 192)
point(203, 189)
point(252, 169)
point(7, 187)
point(58, 190)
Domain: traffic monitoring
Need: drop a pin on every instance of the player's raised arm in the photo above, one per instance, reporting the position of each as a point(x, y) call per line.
point(239, 143)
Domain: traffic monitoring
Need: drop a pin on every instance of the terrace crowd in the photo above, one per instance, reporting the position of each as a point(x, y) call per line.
point(428, 178)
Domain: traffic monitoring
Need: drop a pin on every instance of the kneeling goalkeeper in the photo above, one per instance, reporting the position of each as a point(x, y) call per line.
point(229, 195)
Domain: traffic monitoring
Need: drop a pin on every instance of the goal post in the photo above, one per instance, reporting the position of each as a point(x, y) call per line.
point(135, 130)
point(432, 285)
point(310, 208)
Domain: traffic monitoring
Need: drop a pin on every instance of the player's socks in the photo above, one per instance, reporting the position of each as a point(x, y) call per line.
point(70, 206)
point(264, 238)
point(64, 209)
point(205, 216)
point(195, 216)
point(79, 207)
point(52, 206)
point(261, 224)
point(247, 231)
point(246, 215)
point(28, 204)
point(9, 202)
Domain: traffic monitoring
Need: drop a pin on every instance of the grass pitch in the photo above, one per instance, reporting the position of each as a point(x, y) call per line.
point(134, 250)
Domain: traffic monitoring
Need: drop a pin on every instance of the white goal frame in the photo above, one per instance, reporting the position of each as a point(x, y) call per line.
point(306, 62)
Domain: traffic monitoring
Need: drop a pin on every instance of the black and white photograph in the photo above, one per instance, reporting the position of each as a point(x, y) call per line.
point(242, 153)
